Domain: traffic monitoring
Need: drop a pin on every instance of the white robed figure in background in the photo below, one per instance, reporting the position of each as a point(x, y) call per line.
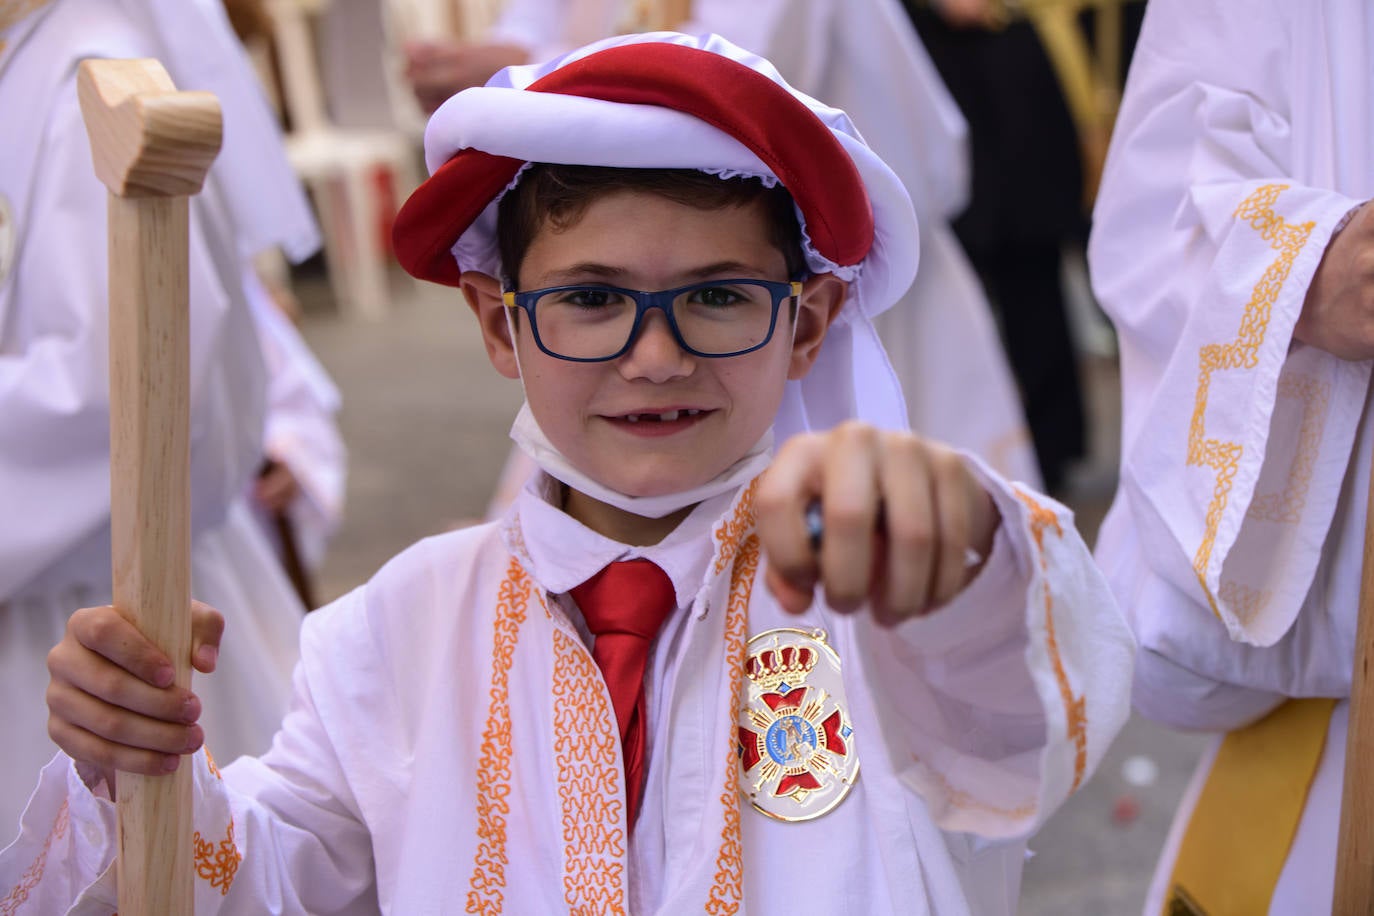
point(54, 427)
point(1221, 252)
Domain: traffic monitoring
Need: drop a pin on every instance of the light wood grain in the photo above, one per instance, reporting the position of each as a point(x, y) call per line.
point(1355, 849)
point(151, 146)
point(147, 139)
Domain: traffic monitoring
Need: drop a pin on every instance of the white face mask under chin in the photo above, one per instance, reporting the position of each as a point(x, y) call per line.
point(536, 445)
point(531, 439)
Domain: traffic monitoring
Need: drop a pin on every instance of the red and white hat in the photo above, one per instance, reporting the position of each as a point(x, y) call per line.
point(664, 100)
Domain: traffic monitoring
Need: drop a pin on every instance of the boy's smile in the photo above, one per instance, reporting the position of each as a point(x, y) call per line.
point(658, 419)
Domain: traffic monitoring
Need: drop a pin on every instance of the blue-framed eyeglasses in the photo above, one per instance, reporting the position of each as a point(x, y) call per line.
point(715, 318)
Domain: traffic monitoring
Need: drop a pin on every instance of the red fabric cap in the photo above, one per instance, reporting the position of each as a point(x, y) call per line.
point(778, 127)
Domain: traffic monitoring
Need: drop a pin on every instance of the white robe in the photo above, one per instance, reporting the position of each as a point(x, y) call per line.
point(54, 428)
point(450, 732)
point(1245, 137)
point(301, 431)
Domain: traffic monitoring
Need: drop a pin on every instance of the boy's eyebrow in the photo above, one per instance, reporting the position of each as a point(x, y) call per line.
point(578, 272)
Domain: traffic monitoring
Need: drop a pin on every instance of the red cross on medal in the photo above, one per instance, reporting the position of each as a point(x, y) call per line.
point(795, 738)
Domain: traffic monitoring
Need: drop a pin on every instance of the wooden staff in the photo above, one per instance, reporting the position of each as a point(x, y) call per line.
point(152, 147)
point(1355, 847)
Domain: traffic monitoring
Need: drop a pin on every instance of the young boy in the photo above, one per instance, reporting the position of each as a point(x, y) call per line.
point(592, 705)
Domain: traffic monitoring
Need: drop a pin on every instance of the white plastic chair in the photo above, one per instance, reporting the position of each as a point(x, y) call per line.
point(346, 168)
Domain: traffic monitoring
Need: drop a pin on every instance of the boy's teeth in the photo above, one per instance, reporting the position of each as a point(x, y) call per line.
point(667, 416)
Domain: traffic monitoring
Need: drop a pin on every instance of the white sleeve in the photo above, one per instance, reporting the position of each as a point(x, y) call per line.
point(1236, 438)
point(996, 707)
point(284, 833)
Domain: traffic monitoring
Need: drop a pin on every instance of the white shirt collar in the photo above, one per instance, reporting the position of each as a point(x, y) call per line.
point(564, 553)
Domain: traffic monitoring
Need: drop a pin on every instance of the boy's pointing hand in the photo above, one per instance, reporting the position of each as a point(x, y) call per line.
point(900, 517)
point(111, 700)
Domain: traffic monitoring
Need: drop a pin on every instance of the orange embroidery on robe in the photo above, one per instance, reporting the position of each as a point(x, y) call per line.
point(210, 762)
point(1242, 353)
point(218, 863)
point(585, 743)
point(1075, 708)
point(732, 533)
point(19, 894)
point(728, 891)
point(493, 780)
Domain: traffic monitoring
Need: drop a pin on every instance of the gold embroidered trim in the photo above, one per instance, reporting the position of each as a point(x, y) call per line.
point(588, 782)
point(493, 773)
point(727, 892)
point(1287, 507)
point(731, 534)
point(218, 863)
point(1075, 708)
point(1245, 602)
point(19, 895)
point(1242, 353)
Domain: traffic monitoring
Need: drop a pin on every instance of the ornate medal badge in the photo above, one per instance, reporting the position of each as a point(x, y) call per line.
point(796, 742)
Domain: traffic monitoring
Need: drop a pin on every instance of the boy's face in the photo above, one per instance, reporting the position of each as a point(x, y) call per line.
point(643, 241)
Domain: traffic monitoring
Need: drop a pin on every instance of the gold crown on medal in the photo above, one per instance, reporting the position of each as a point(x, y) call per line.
point(772, 667)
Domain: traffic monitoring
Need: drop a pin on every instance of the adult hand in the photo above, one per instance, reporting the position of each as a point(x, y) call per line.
point(438, 69)
point(276, 487)
point(1338, 313)
point(900, 516)
point(111, 700)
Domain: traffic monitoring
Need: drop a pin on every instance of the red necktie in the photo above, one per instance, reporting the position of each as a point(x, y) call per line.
point(624, 606)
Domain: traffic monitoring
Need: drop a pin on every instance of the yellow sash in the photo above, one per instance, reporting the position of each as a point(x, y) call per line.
point(1243, 825)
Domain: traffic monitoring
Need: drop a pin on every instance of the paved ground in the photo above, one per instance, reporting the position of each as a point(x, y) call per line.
point(426, 418)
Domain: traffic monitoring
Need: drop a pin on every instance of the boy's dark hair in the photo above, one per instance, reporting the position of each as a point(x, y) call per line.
point(559, 194)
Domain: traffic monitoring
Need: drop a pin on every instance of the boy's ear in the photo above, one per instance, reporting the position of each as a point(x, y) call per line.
point(483, 295)
point(822, 298)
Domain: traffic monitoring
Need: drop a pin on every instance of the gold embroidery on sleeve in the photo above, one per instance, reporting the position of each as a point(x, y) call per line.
point(493, 773)
point(585, 742)
point(1075, 708)
point(1245, 602)
point(1242, 353)
point(727, 892)
point(218, 863)
point(19, 894)
point(1286, 507)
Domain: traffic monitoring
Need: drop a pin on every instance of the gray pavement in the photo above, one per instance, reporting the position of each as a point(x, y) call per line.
point(426, 419)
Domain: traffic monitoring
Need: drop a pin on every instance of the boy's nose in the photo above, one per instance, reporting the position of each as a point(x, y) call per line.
point(654, 354)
